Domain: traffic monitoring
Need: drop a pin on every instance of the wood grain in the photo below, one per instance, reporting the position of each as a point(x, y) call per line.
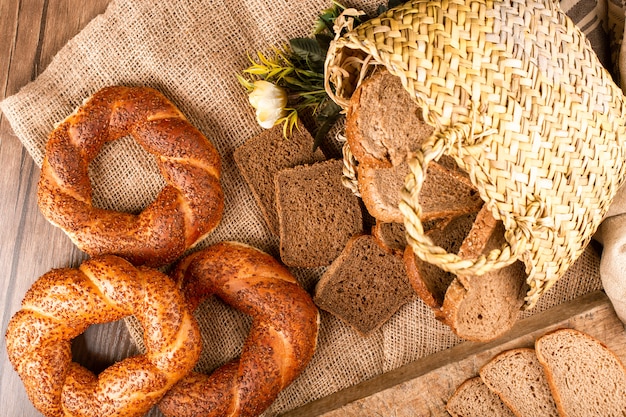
point(422, 388)
point(31, 33)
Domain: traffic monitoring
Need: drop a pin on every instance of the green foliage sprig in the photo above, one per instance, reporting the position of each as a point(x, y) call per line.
point(298, 68)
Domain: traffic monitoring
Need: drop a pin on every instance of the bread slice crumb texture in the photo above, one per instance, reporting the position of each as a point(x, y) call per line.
point(397, 129)
point(586, 378)
point(474, 399)
point(262, 156)
point(317, 215)
point(365, 285)
point(519, 380)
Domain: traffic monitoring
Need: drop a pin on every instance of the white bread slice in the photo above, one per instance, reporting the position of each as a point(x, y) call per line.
point(519, 380)
point(585, 377)
point(474, 399)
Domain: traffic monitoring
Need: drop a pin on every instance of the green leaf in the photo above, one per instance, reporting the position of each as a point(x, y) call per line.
point(328, 116)
point(323, 41)
point(309, 50)
point(326, 19)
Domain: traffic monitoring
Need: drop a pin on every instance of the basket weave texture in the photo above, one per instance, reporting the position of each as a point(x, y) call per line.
point(518, 97)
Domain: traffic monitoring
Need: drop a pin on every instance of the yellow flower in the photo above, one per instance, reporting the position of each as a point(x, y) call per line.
point(269, 100)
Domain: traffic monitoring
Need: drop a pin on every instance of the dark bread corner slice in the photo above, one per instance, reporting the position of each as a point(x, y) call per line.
point(392, 236)
point(586, 378)
point(518, 378)
point(364, 286)
point(445, 192)
point(483, 307)
point(474, 399)
point(262, 156)
point(397, 128)
point(317, 214)
point(429, 281)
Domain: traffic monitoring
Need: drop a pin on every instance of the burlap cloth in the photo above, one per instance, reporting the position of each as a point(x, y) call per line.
point(191, 51)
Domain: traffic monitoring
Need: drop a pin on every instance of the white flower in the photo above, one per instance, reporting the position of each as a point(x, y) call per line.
point(269, 100)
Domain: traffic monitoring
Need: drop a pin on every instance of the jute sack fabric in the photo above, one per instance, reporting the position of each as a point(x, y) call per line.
point(191, 51)
point(519, 98)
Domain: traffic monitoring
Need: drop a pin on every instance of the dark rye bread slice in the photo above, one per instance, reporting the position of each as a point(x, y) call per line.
point(517, 377)
point(474, 399)
point(383, 122)
point(262, 156)
point(585, 377)
point(429, 281)
point(445, 193)
point(364, 286)
point(483, 307)
point(317, 215)
point(390, 236)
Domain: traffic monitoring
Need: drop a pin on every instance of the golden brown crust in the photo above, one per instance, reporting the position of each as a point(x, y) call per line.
point(414, 275)
point(187, 209)
point(64, 302)
point(395, 248)
point(380, 191)
point(279, 346)
point(353, 133)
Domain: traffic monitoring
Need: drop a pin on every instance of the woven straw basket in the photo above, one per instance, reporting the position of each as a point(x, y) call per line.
point(518, 97)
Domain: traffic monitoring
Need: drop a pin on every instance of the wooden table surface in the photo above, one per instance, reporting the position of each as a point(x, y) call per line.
point(31, 33)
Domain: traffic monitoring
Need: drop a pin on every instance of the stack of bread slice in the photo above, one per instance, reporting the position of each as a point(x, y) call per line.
point(567, 373)
point(300, 195)
point(384, 128)
point(320, 223)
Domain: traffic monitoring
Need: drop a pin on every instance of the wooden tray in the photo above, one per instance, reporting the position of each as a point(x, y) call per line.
point(422, 388)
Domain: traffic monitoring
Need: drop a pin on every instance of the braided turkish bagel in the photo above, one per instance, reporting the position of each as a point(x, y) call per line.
point(281, 342)
point(61, 304)
point(188, 208)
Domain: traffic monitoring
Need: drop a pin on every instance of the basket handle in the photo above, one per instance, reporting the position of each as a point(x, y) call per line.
point(422, 245)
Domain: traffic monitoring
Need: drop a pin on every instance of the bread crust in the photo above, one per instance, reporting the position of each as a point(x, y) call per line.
point(355, 295)
point(540, 405)
point(414, 273)
point(475, 307)
point(355, 138)
point(188, 208)
point(485, 403)
point(378, 232)
point(381, 189)
point(429, 281)
point(381, 203)
point(384, 141)
point(562, 381)
point(280, 344)
point(64, 302)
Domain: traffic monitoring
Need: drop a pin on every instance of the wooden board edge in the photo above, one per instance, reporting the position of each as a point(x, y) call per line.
point(548, 318)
